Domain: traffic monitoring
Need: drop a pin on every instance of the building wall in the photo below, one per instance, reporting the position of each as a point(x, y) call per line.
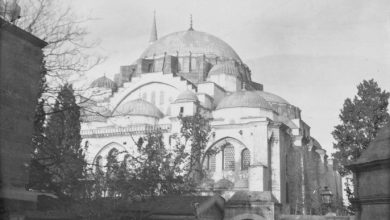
point(228, 82)
point(380, 178)
point(20, 72)
point(20, 69)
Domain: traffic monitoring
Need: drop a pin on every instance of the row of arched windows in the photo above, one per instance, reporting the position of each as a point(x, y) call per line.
point(228, 159)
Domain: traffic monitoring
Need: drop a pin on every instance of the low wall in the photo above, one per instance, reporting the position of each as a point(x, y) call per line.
point(315, 217)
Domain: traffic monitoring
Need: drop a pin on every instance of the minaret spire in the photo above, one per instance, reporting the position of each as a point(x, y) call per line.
point(191, 28)
point(153, 33)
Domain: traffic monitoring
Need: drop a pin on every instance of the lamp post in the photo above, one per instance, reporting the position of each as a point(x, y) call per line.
point(326, 197)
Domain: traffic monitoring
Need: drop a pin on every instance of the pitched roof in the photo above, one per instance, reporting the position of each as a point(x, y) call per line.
point(379, 148)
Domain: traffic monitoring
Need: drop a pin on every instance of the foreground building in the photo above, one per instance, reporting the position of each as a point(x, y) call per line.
point(20, 72)
point(372, 178)
point(264, 146)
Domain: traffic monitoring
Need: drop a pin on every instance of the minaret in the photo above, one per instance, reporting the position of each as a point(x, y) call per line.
point(153, 33)
point(191, 28)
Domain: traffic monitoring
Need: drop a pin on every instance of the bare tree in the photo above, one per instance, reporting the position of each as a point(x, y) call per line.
point(68, 52)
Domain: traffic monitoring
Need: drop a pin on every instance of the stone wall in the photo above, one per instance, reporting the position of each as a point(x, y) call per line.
point(317, 174)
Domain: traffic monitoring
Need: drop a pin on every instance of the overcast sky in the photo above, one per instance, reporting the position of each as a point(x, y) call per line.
point(312, 53)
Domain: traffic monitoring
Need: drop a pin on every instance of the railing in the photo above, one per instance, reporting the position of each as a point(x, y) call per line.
point(122, 131)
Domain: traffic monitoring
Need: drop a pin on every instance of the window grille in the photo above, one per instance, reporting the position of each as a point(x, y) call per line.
point(98, 163)
point(245, 159)
point(228, 157)
point(211, 162)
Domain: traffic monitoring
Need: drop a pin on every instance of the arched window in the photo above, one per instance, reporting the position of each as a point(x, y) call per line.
point(125, 161)
point(245, 159)
point(98, 163)
point(211, 162)
point(112, 158)
point(113, 152)
point(228, 157)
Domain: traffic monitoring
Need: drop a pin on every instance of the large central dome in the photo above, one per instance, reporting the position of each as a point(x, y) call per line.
point(196, 42)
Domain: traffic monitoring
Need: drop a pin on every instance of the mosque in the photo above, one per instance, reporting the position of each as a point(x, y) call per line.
point(266, 153)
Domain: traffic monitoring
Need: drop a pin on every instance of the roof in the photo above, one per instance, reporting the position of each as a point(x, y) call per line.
point(379, 148)
point(186, 96)
point(138, 107)
point(11, 28)
point(249, 99)
point(270, 97)
point(196, 42)
point(170, 205)
point(251, 196)
point(316, 143)
point(224, 184)
point(103, 82)
point(228, 68)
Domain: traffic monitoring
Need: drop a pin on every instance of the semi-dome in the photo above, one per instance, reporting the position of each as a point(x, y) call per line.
point(138, 107)
point(228, 68)
point(272, 98)
point(196, 42)
point(186, 96)
point(248, 99)
point(103, 82)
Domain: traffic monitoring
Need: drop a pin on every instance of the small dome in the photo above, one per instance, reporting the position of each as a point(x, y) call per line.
point(224, 184)
point(138, 107)
point(270, 97)
point(249, 99)
point(104, 82)
point(186, 96)
point(228, 68)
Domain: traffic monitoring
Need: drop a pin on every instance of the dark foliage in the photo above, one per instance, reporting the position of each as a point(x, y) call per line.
point(360, 120)
point(58, 159)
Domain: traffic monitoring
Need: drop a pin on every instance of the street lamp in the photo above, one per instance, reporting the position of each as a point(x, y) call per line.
point(326, 196)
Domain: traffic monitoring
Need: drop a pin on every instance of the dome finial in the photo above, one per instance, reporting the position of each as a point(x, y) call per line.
point(153, 33)
point(191, 28)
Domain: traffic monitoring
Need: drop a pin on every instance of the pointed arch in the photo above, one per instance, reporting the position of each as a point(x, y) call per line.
point(223, 141)
point(108, 147)
point(227, 146)
point(137, 87)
